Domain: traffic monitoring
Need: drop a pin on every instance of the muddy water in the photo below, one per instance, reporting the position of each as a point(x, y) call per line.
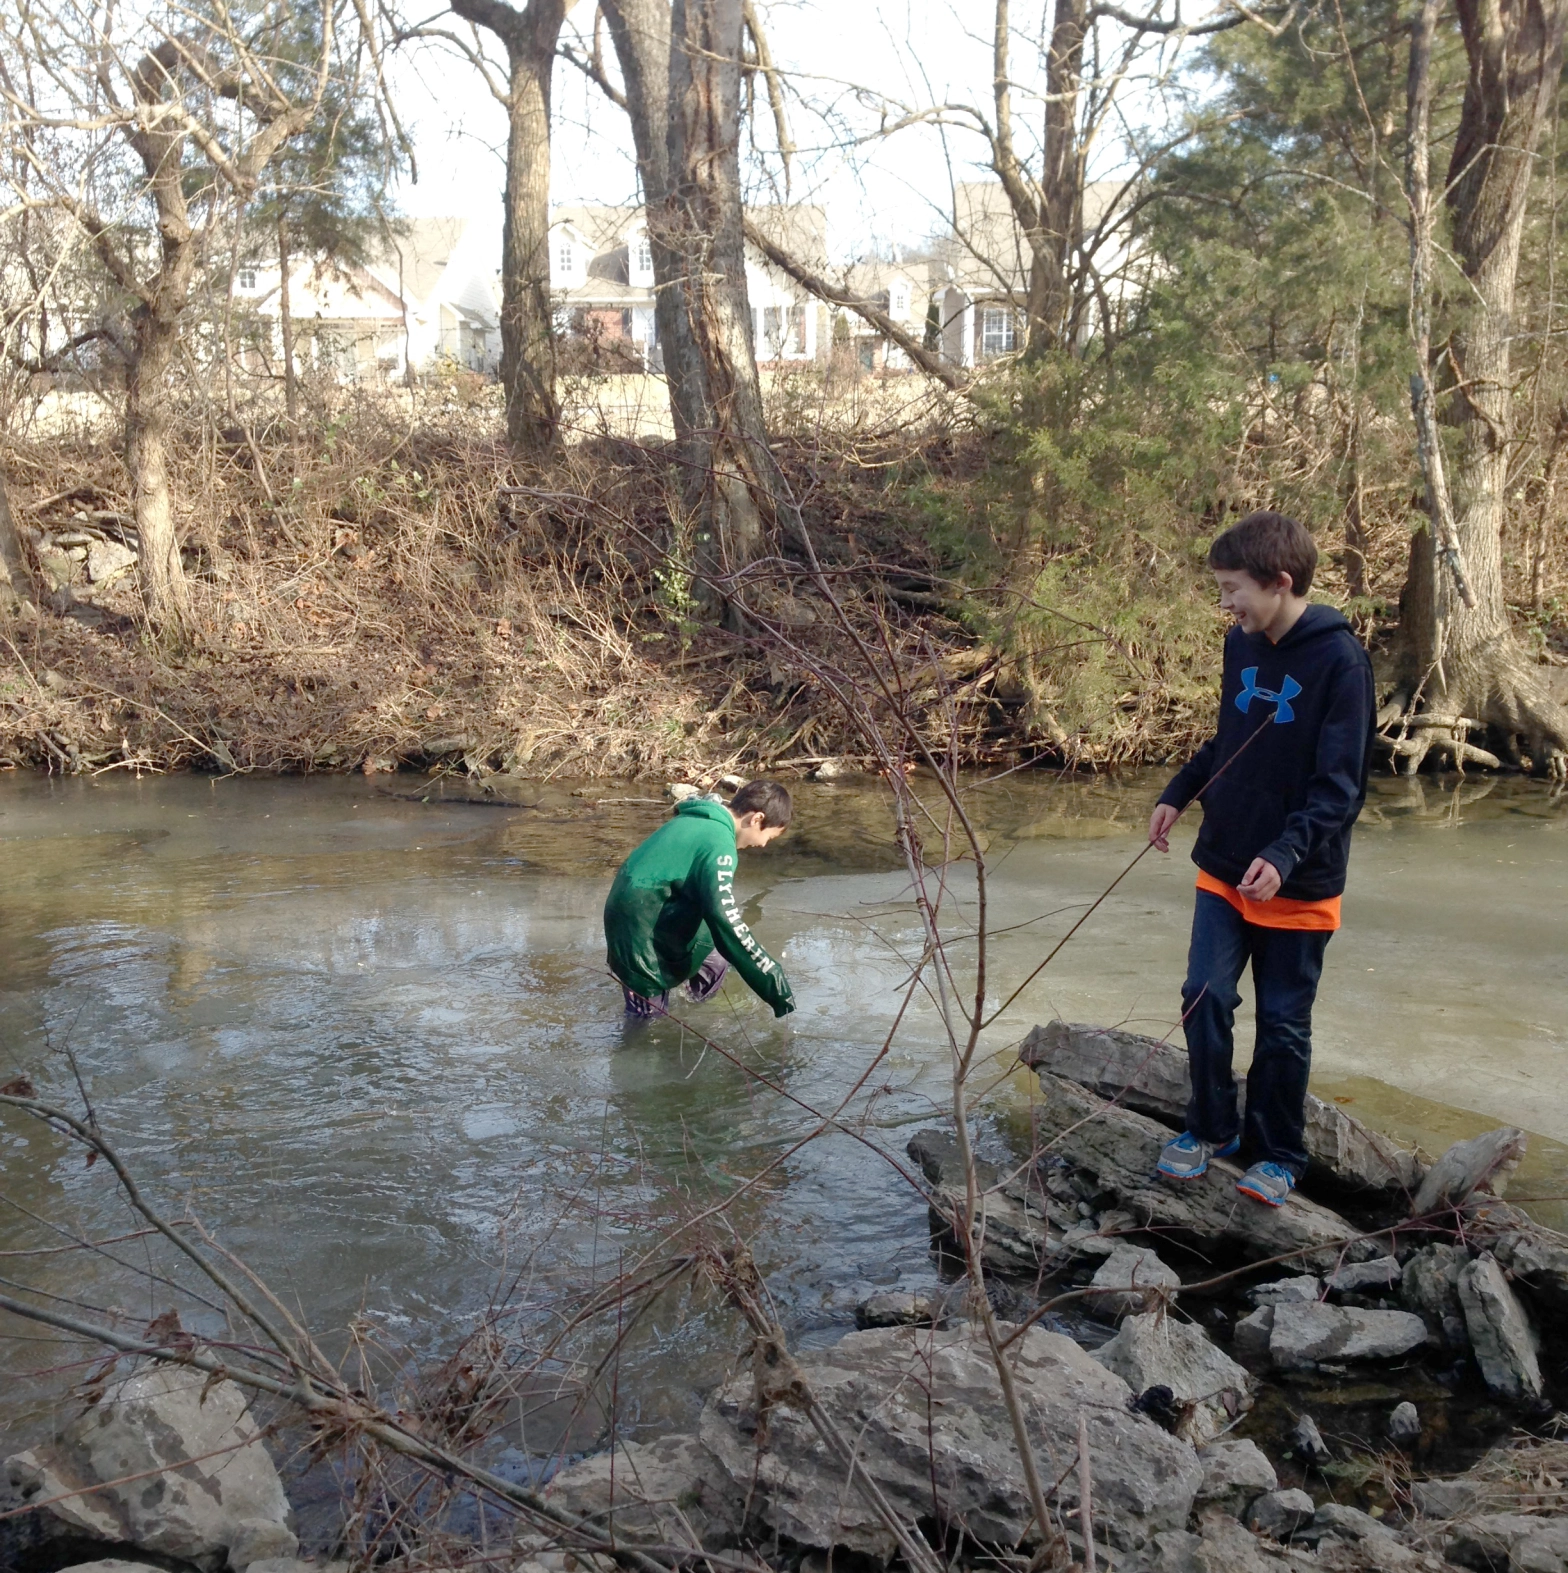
point(370, 1041)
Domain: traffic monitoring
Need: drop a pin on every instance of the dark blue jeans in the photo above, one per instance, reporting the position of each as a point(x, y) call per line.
point(1286, 966)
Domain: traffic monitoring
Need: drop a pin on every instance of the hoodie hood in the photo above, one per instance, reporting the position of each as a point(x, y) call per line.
point(706, 808)
point(1312, 623)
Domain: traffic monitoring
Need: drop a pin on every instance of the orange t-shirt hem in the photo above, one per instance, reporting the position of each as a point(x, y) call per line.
point(1282, 912)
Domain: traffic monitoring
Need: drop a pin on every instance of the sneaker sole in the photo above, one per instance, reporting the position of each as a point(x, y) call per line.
point(1258, 1196)
point(1185, 1174)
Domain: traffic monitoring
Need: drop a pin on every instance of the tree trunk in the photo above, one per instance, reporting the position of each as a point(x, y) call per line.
point(1051, 305)
point(530, 36)
point(286, 321)
point(1462, 659)
point(731, 475)
point(148, 424)
point(16, 584)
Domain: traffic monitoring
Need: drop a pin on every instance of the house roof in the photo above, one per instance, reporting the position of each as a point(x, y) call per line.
point(986, 251)
point(417, 252)
point(606, 292)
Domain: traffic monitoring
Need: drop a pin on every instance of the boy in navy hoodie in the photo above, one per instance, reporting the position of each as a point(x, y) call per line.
point(1282, 781)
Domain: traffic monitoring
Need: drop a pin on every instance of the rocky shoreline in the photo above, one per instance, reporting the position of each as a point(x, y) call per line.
point(1405, 1289)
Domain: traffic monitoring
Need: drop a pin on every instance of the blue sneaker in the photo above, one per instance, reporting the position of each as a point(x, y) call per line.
point(1269, 1183)
point(1187, 1158)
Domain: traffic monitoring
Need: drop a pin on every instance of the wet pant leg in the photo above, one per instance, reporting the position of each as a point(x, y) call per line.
point(641, 1006)
point(1216, 958)
point(707, 978)
point(1286, 966)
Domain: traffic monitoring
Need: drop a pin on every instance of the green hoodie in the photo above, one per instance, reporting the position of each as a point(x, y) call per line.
point(674, 901)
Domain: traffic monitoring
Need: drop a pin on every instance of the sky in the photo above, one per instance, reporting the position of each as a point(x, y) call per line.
point(878, 191)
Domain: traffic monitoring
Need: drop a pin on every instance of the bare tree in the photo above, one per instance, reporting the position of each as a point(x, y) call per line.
point(144, 132)
point(16, 583)
point(529, 35)
point(1459, 659)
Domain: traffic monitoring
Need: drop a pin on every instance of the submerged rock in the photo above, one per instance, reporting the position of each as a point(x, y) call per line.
point(1504, 1339)
point(1404, 1424)
point(924, 1409)
point(1155, 1350)
point(1235, 1475)
point(1304, 1337)
point(901, 1308)
point(1484, 1162)
point(1308, 1440)
point(166, 1461)
point(1151, 1078)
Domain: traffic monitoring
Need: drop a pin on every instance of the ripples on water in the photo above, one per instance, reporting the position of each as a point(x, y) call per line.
point(372, 1042)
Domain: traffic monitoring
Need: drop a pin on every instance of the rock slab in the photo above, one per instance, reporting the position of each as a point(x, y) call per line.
point(1155, 1350)
point(1132, 1279)
point(204, 1489)
point(1281, 1513)
point(1304, 1337)
point(1235, 1474)
point(1484, 1162)
point(1151, 1077)
point(1504, 1340)
point(924, 1412)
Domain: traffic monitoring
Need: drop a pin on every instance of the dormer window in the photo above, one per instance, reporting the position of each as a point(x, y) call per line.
point(642, 256)
point(565, 257)
point(247, 278)
point(900, 306)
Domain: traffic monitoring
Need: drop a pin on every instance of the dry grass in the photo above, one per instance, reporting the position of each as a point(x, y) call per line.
point(370, 596)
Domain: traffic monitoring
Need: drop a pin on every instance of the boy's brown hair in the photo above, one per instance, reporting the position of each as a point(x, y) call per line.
point(771, 799)
point(1265, 545)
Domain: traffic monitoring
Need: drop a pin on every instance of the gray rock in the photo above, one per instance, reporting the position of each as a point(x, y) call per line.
point(1249, 1340)
point(293, 1565)
point(200, 1485)
point(1235, 1474)
point(900, 1308)
point(1155, 1350)
point(1430, 1288)
point(1505, 1342)
point(1404, 1424)
point(1308, 1440)
point(1522, 1541)
point(1117, 1151)
point(682, 791)
point(1379, 1276)
point(1150, 1077)
point(107, 560)
point(1132, 1279)
point(1445, 1498)
point(1484, 1162)
point(730, 783)
point(1284, 1290)
point(671, 1490)
point(111, 1565)
point(1341, 1523)
point(1225, 1547)
point(924, 1408)
point(1280, 1513)
point(1305, 1337)
point(1536, 1259)
point(830, 770)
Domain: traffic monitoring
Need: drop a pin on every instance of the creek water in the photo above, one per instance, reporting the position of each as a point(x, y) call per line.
point(370, 1040)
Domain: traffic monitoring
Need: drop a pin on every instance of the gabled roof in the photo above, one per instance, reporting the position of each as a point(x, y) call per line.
point(416, 255)
point(986, 250)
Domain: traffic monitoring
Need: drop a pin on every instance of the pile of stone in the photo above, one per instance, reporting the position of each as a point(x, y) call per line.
point(167, 1465)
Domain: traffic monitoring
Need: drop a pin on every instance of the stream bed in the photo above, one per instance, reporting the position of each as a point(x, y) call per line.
point(371, 1042)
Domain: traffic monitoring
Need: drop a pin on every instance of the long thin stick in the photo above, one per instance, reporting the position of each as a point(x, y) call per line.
point(1085, 1494)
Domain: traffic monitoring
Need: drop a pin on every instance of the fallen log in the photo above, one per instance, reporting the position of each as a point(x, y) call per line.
point(1150, 1078)
point(1119, 1148)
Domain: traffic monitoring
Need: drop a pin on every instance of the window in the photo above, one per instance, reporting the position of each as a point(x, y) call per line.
point(642, 255)
point(795, 337)
point(998, 331)
point(772, 332)
point(247, 279)
point(565, 257)
point(900, 304)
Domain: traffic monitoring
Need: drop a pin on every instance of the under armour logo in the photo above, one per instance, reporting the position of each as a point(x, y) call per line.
point(1281, 700)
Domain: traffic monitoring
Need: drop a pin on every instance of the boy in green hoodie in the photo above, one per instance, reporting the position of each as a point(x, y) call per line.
point(671, 916)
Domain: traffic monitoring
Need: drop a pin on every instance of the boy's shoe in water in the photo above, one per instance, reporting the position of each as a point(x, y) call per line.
point(1270, 1183)
point(1187, 1158)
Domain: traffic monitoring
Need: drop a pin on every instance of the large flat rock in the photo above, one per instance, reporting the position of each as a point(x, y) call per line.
point(1150, 1077)
point(1120, 1148)
point(923, 1411)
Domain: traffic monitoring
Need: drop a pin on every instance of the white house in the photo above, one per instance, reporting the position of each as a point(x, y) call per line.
point(601, 276)
point(428, 296)
point(900, 288)
point(981, 275)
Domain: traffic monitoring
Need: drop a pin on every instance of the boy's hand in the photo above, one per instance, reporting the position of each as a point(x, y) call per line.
point(1262, 881)
point(1160, 822)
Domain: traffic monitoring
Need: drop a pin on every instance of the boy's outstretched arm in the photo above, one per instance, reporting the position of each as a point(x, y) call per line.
point(1184, 786)
point(732, 936)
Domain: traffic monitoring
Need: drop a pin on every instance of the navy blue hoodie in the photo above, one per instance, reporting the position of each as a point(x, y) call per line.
point(1295, 793)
